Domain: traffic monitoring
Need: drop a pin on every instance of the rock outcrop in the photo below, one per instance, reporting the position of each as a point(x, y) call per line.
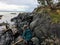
point(40, 24)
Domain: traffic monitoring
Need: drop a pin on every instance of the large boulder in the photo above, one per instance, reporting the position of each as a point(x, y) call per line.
point(55, 29)
point(40, 24)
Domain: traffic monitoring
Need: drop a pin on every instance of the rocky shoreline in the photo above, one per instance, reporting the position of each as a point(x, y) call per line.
point(41, 25)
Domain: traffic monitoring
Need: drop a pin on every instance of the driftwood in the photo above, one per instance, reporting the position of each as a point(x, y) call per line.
point(20, 40)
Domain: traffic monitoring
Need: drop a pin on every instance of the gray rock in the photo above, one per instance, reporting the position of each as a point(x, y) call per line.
point(41, 22)
point(35, 40)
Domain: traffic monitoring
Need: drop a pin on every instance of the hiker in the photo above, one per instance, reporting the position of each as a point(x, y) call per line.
point(25, 39)
point(27, 35)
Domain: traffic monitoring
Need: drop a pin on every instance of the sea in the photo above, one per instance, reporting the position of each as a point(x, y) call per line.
point(7, 16)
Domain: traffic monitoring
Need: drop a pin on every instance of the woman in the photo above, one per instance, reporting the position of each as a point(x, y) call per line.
point(27, 35)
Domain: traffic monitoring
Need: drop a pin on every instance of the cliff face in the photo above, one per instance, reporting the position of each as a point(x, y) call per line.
point(40, 23)
point(43, 28)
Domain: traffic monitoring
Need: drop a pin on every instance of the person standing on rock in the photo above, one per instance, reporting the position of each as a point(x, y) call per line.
point(27, 35)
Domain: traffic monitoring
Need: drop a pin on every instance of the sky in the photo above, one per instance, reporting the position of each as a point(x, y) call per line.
point(18, 5)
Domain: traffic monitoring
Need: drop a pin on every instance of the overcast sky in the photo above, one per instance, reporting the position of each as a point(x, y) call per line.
point(18, 5)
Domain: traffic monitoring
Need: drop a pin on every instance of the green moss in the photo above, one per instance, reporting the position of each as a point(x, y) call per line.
point(55, 18)
point(53, 14)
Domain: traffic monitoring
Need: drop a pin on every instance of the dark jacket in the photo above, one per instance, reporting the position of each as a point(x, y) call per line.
point(27, 35)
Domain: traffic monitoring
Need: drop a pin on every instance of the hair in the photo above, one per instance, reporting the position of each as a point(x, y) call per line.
point(25, 26)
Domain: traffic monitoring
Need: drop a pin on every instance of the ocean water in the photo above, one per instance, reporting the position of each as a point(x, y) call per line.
point(7, 16)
